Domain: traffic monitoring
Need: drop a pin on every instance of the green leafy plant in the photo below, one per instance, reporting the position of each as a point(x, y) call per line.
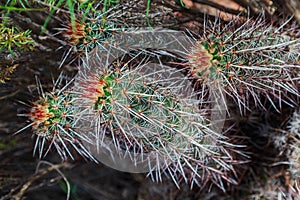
point(15, 5)
point(13, 38)
point(72, 190)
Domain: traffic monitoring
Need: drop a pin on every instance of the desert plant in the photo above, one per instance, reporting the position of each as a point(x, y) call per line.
point(294, 144)
point(91, 25)
point(149, 118)
point(251, 60)
point(74, 7)
point(52, 119)
point(90, 31)
point(286, 140)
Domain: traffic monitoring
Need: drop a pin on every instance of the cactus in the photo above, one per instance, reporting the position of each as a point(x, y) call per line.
point(86, 35)
point(52, 119)
point(91, 29)
point(294, 144)
point(288, 143)
point(251, 61)
point(148, 118)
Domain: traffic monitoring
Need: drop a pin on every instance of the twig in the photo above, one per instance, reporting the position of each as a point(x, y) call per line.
point(35, 177)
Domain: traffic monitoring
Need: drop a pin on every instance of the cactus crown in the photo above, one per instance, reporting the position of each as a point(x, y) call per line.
point(52, 113)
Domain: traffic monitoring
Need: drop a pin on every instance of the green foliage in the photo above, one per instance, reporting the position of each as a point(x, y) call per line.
point(73, 190)
point(147, 12)
point(15, 39)
point(181, 3)
point(15, 5)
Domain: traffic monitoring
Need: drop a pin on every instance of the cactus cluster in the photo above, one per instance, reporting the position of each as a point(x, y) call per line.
point(142, 116)
point(146, 115)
